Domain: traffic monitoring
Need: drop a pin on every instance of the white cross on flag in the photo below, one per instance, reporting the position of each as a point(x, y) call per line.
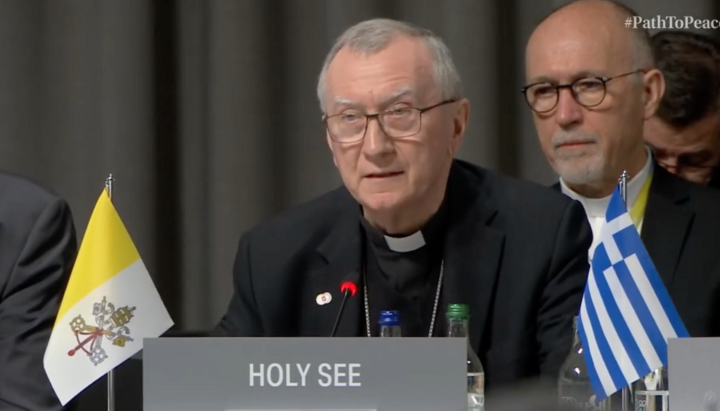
point(626, 316)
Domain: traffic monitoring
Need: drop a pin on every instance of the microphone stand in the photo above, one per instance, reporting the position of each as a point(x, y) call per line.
point(342, 307)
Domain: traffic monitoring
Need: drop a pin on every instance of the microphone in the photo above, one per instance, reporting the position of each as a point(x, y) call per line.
point(348, 288)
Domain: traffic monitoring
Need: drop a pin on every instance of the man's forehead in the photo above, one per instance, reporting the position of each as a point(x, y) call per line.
point(399, 50)
point(590, 22)
point(568, 69)
point(355, 78)
point(564, 49)
point(381, 95)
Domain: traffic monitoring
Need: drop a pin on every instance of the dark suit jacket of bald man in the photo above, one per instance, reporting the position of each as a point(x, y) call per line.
point(681, 232)
point(515, 251)
point(37, 250)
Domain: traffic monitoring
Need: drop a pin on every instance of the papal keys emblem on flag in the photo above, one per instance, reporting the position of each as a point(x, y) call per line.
point(111, 325)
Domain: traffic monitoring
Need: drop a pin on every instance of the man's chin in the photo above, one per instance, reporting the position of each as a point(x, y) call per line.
point(577, 174)
point(381, 202)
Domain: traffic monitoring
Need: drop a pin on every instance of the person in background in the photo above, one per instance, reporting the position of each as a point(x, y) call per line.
point(419, 228)
point(684, 133)
point(592, 85)
point(37, 251)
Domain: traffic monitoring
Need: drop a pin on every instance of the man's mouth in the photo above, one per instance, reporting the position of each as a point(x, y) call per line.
point(384, 174)
point(574, 144)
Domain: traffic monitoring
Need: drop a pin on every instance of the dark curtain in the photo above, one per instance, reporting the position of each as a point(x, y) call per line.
point(205, 112)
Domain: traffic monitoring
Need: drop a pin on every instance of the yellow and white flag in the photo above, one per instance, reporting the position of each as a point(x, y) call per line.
point(109, 306)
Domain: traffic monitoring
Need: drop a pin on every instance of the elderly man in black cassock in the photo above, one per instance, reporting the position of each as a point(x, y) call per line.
point(413, 227)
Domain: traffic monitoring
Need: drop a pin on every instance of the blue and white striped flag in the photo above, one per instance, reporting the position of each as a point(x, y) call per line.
point(626, 316)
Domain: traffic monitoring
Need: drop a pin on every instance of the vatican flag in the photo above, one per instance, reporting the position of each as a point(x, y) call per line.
point(109, 306)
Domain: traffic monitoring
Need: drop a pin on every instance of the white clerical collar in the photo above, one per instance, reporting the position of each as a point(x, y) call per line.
point(406, 244)
point(597, 207)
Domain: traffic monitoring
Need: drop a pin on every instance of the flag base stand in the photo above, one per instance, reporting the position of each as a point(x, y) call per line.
point(110, 391)
point(627, 399)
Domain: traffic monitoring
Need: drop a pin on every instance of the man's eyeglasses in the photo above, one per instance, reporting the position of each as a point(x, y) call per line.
point(587, 91)
point(350, 126)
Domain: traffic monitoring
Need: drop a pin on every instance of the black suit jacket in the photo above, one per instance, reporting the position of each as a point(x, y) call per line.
point(715, 179)
point(37, 250)
point(681, 232)
point(515, 251)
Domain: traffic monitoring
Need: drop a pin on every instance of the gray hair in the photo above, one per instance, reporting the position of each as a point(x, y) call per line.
point(373, 36)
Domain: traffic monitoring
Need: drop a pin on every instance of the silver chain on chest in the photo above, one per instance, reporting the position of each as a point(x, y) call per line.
point(435, 307)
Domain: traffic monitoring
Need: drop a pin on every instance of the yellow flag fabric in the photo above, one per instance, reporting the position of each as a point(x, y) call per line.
point(110, 305)
point(106, 250)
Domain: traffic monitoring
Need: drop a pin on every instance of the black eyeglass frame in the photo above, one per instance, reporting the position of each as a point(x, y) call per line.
point(604, 80)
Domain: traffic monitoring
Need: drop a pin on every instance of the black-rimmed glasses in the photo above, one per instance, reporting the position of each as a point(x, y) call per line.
point(350, 126)
point(587, 91)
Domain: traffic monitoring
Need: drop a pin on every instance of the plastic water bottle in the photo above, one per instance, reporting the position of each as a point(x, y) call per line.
point(390, 324)
point(458, 323)
point(575, 390)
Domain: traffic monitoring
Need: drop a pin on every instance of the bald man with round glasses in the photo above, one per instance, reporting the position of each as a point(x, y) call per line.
point(592, 86)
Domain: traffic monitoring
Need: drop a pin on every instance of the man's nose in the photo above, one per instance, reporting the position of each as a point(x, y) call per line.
point(376, 142)
point(569, 111)
point(670, 164)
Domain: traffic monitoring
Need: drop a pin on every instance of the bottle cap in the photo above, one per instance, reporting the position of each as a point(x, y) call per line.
point(389, 318)
point(458, 312)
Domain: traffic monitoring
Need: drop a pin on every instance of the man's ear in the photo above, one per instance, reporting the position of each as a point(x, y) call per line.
point(330, 145)
point(654, 91)
point(460, 121)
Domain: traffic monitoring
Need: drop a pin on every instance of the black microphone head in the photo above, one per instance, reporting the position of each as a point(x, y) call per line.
point(348, 288)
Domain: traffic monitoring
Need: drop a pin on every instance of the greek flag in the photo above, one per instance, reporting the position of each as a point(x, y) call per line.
point(626, 316)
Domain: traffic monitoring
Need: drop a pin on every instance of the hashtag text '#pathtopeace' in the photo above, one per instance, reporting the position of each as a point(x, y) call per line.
point(671, 23)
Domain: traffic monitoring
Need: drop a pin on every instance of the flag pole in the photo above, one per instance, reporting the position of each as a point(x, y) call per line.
point(109, 185)
point(626, 399)
point(110, 383)
point(623, 186)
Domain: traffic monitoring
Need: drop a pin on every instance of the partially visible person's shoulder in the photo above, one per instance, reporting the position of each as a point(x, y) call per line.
point(516, 194)
point(705, 200)
point(21, 196)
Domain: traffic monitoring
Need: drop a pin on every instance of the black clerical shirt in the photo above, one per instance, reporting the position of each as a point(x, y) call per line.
point(405, 281)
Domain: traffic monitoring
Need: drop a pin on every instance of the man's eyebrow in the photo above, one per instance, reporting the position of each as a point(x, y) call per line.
point(575, 76)
point(393, 97)
point(541, 79)
point(339, 101)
